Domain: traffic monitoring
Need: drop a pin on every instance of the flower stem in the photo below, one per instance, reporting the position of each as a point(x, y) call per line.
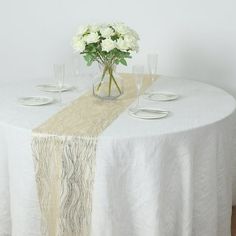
point(110, 81)
point(114, 80)
point(108, 69)
point(103, 76)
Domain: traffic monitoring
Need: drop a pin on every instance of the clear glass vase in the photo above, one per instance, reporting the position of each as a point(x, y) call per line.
point(109, 84)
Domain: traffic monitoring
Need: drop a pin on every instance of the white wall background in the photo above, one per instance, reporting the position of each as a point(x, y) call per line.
point(194, 38)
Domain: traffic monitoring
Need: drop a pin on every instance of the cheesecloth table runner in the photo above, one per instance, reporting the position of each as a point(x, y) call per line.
point(64, 150)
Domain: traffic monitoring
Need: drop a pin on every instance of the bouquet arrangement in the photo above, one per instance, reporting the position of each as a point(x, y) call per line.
point(107, 44)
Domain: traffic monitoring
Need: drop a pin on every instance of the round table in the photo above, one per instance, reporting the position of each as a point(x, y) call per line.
point(171, 176)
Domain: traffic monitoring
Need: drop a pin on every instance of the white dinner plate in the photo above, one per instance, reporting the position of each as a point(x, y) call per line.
point(54, 88)
point(147, 113)
point(161, 96)
point(35, 101)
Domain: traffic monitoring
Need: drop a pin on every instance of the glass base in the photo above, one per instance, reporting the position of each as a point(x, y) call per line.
point(108, 89)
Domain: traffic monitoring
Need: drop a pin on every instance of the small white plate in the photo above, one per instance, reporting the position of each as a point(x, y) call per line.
point(54, 88)
point(35, 101)
point(161, 96)
point(147, 113)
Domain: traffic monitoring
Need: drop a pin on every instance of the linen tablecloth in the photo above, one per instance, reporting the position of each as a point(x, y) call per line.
point(165, 177)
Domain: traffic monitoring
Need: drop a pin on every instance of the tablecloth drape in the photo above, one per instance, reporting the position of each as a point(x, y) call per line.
point(167, 177)
point(174, 184)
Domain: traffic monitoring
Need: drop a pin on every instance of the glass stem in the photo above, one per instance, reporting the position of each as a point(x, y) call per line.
point(60, 97)
point(153, 82)
point(137, 100)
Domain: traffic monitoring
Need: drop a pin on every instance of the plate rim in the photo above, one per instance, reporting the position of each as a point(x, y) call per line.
point(50, 100)
point(165, 114)
point(148, 96)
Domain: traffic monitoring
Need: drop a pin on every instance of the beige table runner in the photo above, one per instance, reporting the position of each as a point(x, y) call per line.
point(64, 151)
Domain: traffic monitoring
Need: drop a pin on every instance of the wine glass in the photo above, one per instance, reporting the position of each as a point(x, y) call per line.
point(138, 72)
point(59, 74)
point(152, 60)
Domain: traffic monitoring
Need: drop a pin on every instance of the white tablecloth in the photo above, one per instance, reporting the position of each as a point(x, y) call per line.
point(168, 177)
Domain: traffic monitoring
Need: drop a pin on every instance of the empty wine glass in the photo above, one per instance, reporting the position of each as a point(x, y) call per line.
point(152, 60)
point(59, 74)
point(138, 72)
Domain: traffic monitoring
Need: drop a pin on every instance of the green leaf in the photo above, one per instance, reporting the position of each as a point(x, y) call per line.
point(89, 58)
point(86, 57)
point(123, 62)
point(89, 63)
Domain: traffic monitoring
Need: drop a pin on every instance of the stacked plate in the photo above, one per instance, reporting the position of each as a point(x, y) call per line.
point(42, 100)
point(153, 113)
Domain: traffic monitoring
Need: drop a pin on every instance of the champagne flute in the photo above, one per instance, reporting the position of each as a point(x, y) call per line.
point(138, 72)
point(59, 74)
point(152, 60)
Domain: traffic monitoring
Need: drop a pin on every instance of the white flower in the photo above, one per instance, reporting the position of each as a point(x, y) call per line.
point(125, 39)
point(130, 38)
point(92, 38)
point(108, 44)
point(136, 48)
point(131, 42)
point(121, 28)
point(107, 32)
point(122, 45)
point(134, 34)
point(83, 29)
point(94, 28)
point(78, 44)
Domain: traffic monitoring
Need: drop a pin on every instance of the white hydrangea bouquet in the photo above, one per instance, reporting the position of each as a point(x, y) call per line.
point(109, 45)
